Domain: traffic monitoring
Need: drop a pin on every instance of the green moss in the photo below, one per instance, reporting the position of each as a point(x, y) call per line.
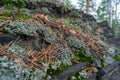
point(6, 1)
point(81, 57)
point(103, 63)
point(8, 7)
point(5, 14)
point(14, 3)
point(2, 19)
point(60, 69)
point(22, 16)
point(117, 58)
point(3, 31)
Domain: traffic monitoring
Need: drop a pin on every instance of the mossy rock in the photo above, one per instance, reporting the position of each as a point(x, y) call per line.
point(23, 28)
point(78, 45)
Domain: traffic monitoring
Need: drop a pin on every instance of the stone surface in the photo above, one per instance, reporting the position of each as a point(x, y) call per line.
point(91, 77)
point(45, 10)
point(109, 59)
point(23, 29)
point(111, 72)
point(70, 71)
point(6, 38)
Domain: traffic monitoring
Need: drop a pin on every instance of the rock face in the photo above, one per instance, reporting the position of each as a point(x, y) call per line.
point(22, 28)
point(57, 43)
point(6, 38)
point(109, 34)
point(111, 72)
point(66, 74)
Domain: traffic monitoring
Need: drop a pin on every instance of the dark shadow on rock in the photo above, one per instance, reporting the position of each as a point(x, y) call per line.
point(109, 34)
point(6, 38)
point(96, 58)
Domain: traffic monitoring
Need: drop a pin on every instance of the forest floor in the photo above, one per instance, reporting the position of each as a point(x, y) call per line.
point(52, 42)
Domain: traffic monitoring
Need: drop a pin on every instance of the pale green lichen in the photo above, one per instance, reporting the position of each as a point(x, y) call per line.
point(65, 55)
point(49, 37)
point(79, 45)
point(9, 70)
point(38, 75)
point(23, 28)
point(17, 50)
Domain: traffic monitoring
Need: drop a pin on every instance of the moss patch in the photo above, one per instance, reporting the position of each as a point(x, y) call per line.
point(117, 58)
point(81, 57)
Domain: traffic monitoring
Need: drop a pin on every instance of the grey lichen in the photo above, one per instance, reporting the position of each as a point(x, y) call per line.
point(15, 49)
point(65, 55)
point(78, 45)
point(38, 75)
point(47, 36)
point(23, 28)
point(9, 70)
point(113, 51)
point(45, 10)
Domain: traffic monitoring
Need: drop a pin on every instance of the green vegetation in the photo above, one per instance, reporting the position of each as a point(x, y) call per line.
point(49, 48)
point(5, 14)
point(117, 58)
point(81, 57)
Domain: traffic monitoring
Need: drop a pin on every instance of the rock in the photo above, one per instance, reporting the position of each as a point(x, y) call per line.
point(108, 59)
point(76, 13)
point(97, 60)
point(46, 36)
point(91, 77)
point(9, 69)
point(15, 49)
point(70, 71)
point(49, 37)
point(26, 29)
point(107, 31)
point(78, 45)
point(111, 51)
point(45, 10)
point(88, 17)
point(111, 72)
point(6, 38)
point(64, 54)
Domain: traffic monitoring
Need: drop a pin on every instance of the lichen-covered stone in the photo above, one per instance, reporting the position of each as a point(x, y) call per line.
point(9, 70)
point(108, 59)
point(38, 74)
point(50, 37)
point(47, 36)
point(113, 51)
point(15, 49)
point(23, 28)
point(45, 10)
point(78, 45)
point(63, 56)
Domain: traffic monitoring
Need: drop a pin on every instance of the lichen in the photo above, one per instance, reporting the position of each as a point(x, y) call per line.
point(79, 46)
point(65, 55)
point(9, 70)
point(15, 49)
point(23, 28)
point(49, 37)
